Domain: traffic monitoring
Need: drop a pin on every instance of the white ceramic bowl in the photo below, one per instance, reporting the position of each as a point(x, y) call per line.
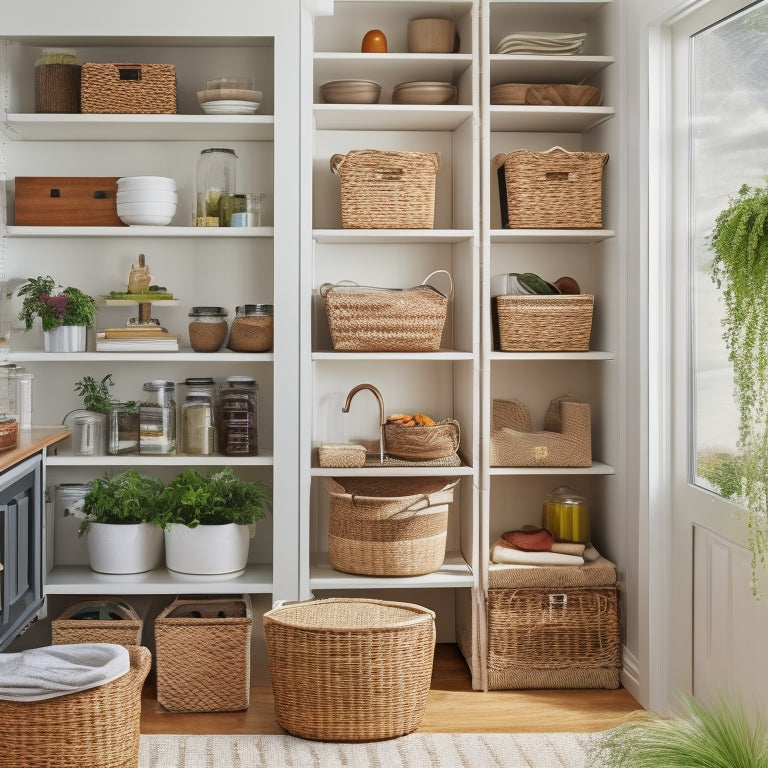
point(147, 196)
point(145, 220)
point(152, 208)
point(145, 182)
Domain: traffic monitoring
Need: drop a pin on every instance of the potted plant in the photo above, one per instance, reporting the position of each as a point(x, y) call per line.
point(121, 522)
point(65, 313)
point(207, 520)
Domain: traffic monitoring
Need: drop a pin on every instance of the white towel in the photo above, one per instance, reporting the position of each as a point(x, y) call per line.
point(502, 554)
point(56, 670)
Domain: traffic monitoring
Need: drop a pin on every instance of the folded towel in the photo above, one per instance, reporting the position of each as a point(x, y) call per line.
point(503, 554)
point(56, 670)
point(529, 538)
point(568, 548)
point(590, 553)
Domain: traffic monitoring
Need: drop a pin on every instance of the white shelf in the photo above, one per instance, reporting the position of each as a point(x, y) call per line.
point(527, 68)
point(58, 458)
point(390, 117)
point(400, 356)
point(390, 236)
point(539, 356)
point(548, 119)
point(462, 471)
point(563, 236)
point(597, 468)
point(81, 580)
point(139, 231)
point(40, 356)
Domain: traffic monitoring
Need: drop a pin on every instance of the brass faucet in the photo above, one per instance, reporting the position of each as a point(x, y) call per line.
point(382, 419)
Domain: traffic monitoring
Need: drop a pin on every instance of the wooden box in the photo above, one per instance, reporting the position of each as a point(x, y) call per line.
point(78, 201)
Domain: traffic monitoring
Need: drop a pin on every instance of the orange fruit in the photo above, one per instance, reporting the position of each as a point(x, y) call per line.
point(375, 41)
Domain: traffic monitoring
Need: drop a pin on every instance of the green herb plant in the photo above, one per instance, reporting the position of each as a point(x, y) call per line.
point(96, 395)
point(44, 298)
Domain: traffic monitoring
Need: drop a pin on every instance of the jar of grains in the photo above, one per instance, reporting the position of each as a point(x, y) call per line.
point(198, 425)
point(207, 328)
point(9, 432)
point(239, 425)
point(252, 328)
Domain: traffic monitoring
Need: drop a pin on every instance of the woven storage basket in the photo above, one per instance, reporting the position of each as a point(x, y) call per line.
point(341, 455)
point(555, 189)
point(128, 89)
point(98, 728)
point(388, 526)
point(422, 443)
point(553, 638)
point(543, 323)
point(387, 189)
point(124, 631)
point(203, 649)
point(57, 88)
point(367, 319)
point(350, 669)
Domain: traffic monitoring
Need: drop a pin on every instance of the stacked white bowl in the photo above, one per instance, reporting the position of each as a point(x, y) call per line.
point(146, 200)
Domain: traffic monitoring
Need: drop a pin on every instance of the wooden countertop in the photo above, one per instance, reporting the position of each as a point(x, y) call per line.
point(30, 442)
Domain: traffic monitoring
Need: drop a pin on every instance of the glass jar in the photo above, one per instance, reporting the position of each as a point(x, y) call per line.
point(9, 432)
point(123, 429)
point(157, 419)
point(239, 422)
point(198, 424)
point(252, 328)
point(566, 515)
point(16, 393)
point(207, 328)
point(201, 384)
point(216, 168)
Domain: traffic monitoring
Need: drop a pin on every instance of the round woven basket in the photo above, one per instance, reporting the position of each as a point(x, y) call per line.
point(349, 669)
point(423, 443)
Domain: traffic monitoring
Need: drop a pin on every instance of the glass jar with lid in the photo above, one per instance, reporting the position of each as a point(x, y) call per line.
point(198, 423)
point(157, 419)
point(207, 328)
point(215, 177)
point(252, 328)
point(123, 428)
point(566, 515)
point(239, 423)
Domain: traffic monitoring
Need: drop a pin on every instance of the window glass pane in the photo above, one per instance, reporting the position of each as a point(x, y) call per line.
point(729, 134)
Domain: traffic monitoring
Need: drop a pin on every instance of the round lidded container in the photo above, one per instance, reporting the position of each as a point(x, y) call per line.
point(566, 515)
point(198, 423)
point(207, 328)
point(157, 419)
point(252, 328)
point(239, 422)
point(9, 432)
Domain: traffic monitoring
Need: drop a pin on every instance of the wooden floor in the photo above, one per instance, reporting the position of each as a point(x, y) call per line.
point(452, 707)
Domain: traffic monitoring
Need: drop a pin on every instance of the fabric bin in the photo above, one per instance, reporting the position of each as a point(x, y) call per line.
point(124, 630)
point(128, 89)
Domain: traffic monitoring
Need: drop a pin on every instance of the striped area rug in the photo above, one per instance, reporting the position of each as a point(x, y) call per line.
point(435, 750)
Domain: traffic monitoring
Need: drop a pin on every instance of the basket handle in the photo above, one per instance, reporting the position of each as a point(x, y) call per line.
point(325, 287)
point(438, 272)
point(336, 161)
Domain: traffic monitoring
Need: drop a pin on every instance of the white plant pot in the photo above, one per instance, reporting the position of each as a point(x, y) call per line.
point(124, 547)
point(207, 549)
point(65, 338)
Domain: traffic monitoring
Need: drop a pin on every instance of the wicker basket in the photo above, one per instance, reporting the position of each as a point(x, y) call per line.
point(128, 89)
point(553, 638)
point(388, 526)
point(423, 443)
point(98, 728)
point(57, 88)
point(341, 455)
point(555, 189)
point(543, 323)
point(350, 669)
point(366, 319)
point(387, 189)
point(203, 649)
point(123, 631)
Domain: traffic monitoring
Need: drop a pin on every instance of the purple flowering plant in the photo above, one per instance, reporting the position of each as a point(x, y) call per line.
point(45, 298)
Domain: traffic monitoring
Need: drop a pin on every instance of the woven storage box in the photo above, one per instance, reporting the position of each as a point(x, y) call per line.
point(543, 323)
point(387, 189)
point(422, 443)
point(122, 631)
point(553, 638)
point(341, 455)
point(350, 669)
point(388, 526)
point(599, 573)
point(203, 649)
point(98, 728)
point(555, 189)
point(57, 88)
point(367, 319)
point(128, 89)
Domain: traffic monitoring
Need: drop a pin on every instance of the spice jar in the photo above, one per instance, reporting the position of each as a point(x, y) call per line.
point(198, 425)
point(157, 419)
point(252, 328)
point(566, 515)
point(215, 178)
point(9, 432)
point(239, 424)
point(207, 328)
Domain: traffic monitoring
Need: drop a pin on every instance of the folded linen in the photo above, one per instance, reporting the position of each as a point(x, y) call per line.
point(568, 548)
point(56, 670)
point(591, 554)
point(505, 554)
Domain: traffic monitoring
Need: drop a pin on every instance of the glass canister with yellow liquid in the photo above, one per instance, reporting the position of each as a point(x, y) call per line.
point(566, 515)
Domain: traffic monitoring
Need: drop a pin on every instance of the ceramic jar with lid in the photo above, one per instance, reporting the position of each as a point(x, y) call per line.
point(252, 328)
point(566, 515)
point(157, 419)
point(207, 328)
point(239, 423)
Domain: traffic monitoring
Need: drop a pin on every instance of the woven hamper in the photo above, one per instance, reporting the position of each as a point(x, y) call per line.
point(387, 189)
point(203, 649)
point(123, 631)
point(553, 638)
point(555, 189)
point(349, 669)
point(98, 728)
point(128, 89)
point(388, 526)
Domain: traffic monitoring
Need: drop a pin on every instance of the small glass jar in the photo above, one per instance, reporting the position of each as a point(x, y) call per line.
point(252, 328)
point(207, 328)
point(566, 515)
point(157, 419)
point(9, 432)
point(198, 424)
point(123, 429)
point(239, 421)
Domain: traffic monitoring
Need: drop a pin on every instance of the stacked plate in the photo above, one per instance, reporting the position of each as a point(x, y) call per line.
point(542, 43)
point(146, 200)
point(424, 92)
point(350, 92)
point(230, 96)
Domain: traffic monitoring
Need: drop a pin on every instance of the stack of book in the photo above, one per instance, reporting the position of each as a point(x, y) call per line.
point(137, 338)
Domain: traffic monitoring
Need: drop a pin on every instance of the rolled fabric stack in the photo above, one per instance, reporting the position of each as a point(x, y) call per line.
point(531, 545)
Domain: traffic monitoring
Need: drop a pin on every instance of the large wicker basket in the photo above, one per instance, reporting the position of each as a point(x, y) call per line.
point(543, 323)
point(350, 669)
point(423, 443)
point(98, 728)
point(555, 189)
point(553, 638)
point(387, 189)
point(388, 526)
point(128, 89)
point(123, 631)
point(367, 319)
point(203, 649)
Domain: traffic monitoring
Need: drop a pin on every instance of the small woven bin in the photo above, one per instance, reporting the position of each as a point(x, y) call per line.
point(388, 526)
point(125, 631)
point(128, 89)
point(98, 728)
point(350, 669)
point(203, 649)
point(553, 638)
point(543, 323)
point(555, 189)
point(57, 88)
point(387, 189)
